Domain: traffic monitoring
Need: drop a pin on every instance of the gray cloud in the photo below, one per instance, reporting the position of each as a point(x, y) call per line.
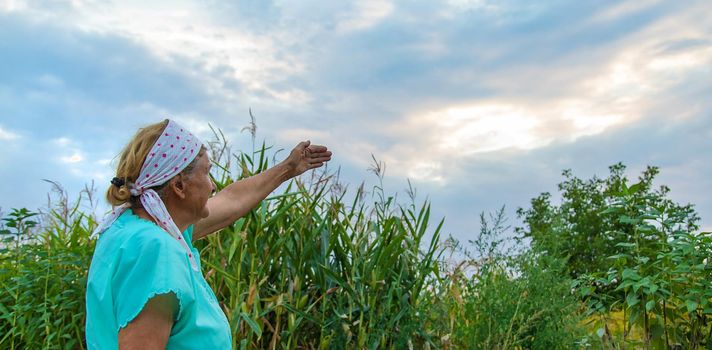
point(358, 78)
point(488, 181)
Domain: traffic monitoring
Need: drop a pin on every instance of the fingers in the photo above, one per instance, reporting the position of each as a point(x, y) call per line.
point(318, 154)
point(315, 165)
point(313, 154)
point(317, 149)
point(302, 149)
point(303, 145)
point(316, 160)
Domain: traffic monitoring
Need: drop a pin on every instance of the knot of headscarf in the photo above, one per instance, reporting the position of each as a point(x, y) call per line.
point(174, 150)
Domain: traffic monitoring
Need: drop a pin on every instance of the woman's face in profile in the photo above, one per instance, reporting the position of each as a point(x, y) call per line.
point(199, 187)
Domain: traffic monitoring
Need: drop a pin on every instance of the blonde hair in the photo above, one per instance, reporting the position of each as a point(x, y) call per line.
point(131, 160)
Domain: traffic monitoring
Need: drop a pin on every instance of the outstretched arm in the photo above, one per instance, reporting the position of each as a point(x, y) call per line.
point(237, 199)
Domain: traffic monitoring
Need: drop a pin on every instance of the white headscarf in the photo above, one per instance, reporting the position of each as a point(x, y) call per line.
point(172, 152)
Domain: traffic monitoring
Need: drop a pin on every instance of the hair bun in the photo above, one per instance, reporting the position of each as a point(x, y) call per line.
point(118, 182)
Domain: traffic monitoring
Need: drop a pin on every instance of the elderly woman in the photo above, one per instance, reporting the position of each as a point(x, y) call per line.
point(145, 289)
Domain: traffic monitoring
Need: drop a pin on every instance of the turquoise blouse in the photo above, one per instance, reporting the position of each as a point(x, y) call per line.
point(135, 260)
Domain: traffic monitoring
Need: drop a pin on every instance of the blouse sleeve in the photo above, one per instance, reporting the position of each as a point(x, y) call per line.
point(150, 263)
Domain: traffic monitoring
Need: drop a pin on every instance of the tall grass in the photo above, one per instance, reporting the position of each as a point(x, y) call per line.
point(307, 269)
point(503, 296)
point(43, 275)
point(315, 266)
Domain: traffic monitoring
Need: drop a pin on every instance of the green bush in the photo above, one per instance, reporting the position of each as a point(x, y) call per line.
point(660, 279)
point(581, 229)
point(638, 261)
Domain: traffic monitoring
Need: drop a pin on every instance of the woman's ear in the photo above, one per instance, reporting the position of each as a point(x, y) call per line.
point(177, 186)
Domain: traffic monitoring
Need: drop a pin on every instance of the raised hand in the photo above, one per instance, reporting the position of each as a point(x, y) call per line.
point(306, 156)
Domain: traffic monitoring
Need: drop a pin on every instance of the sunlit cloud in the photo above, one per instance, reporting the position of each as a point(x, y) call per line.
point(78, 162)
point(456, 6)
point(622, 9)
point(640, 73)
point(585, 120)
point(366, 15)
point(614, 93)
point(483, 128)
point(73, 158)
point(444, 138)
point(6, 135)
point(13, 5)
point(200, 127)
point(427, 171)
point(68, 151)
point(62, 141)
point(433, 90)
point(187, 32)
point(292, 135)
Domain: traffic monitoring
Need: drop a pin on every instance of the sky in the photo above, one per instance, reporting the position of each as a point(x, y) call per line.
point(477, 103)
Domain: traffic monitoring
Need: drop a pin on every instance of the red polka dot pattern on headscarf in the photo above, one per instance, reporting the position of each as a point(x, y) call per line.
point(155, 171)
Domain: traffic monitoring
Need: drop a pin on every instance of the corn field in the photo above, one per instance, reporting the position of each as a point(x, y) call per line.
point(305, 269)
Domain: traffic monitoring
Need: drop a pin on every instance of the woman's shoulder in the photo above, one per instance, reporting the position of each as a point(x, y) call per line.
point(132, 233)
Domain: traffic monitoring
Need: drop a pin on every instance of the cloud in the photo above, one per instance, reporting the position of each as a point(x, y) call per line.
point(61, 64)
point(74, 158)
point(69, 153)
point(622, 10)
point(513, 177)
point(608, 94)
point(481, 103)
point(6, 135)
point(293, 135)
point(365, 15)
point(228, 63)
point(29, 161)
